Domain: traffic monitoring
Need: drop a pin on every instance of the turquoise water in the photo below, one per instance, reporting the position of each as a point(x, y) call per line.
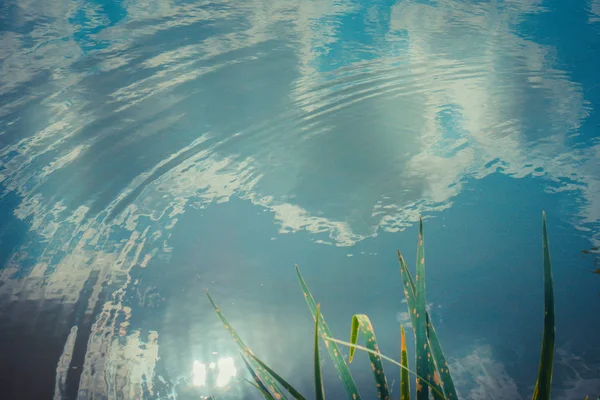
point(150, 149)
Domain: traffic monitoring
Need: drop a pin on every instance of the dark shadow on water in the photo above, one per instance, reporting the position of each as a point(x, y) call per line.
point(32, 337)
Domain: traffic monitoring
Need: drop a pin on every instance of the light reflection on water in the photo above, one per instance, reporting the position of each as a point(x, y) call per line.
point(152, 149)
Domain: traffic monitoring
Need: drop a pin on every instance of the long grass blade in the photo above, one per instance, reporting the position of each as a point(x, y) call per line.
point(334, 351)
point(295, 394)
point(410, 371)
point(438, 355)
point(265, 393)
point(421, 342)
point(258, 369)
point(544, 380)
point(362, 322)
point(404, 382)
point(441, 365)
point(319, 392)
point(433, 369)
point(259, 383)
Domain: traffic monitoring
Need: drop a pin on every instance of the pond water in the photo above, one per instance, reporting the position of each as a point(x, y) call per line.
point(152, 149)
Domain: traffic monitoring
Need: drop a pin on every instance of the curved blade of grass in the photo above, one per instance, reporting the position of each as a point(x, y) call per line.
point(279, 379)
point(258, 369)
point(265, 393)
point(362, 322)
point(421, 343)
point(334, 351)
point(438, 354)
point(259, 383)
point(404, 383)
point(425, 381)
point(319, 393)
point(542, 386)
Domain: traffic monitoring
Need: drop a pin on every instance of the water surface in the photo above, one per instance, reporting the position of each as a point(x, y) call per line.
point(150, 149)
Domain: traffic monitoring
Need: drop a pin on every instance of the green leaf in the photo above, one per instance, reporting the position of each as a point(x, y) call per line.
point(278, 378)
point(404, 382)
point(259, 383)
point(441, 365)
point(334, 351)
point(258, 369)
point(544, 380)
point(319, 393)
point(438, 355)
point(421, 342)
point(262, 390)
point(425, 381)
point(433, 369)
point(362, 322)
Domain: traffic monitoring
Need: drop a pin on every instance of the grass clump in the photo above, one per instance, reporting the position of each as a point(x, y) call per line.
point(432, 376)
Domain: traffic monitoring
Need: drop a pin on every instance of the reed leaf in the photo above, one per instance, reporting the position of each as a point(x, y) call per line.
point(544, 380)
point(295, 394)
point(334, 352)
point(420, 326)
point(404, 382)
point(259, 383)
point(265, 393)
point(425, 381)
point(260, 371)
point(438, 355)
point(319, 392)
point(361, 322)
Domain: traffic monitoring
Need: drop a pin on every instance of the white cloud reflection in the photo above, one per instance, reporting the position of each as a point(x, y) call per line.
point(479, 376)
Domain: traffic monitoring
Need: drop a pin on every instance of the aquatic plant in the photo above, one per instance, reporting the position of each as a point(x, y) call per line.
point(542, 386)
point(436, 363)
point(432, 370)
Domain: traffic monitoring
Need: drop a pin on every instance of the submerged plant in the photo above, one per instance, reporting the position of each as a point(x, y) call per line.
point(432, 370)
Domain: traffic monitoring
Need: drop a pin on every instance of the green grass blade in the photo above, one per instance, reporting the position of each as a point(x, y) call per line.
point(258, 369)
point(425, 381)
point(433, 369)
point(336, 356)
point(353, 337)
point(421, 342)
point(259, 383)
point(264, 392)
point(362, 322)
point(441, 365)
point(544, 380)
point(279, 379)
point(319, 392)
point(438, 355)
point(404, 382)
